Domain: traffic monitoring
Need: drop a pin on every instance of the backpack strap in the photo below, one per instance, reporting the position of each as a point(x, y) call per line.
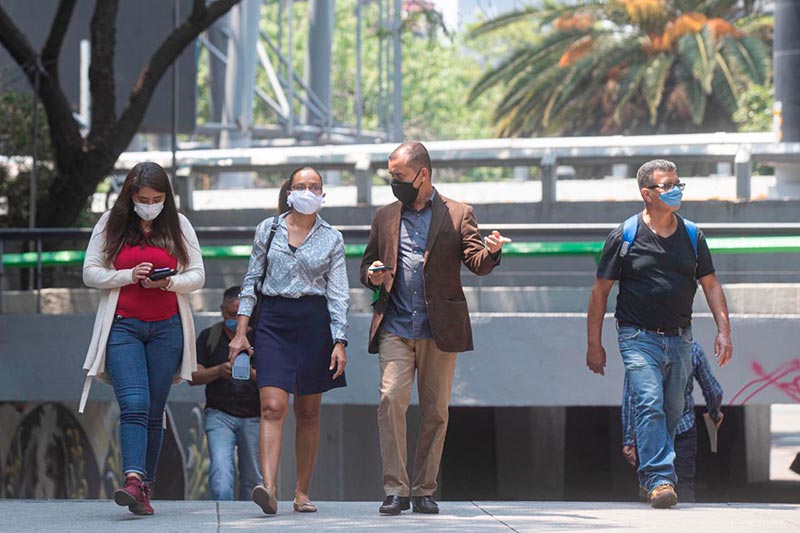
point(629, 228)
point(691, 231)
point(214, 335)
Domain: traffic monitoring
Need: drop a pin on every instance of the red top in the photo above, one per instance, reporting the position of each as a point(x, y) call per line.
point(149, 305)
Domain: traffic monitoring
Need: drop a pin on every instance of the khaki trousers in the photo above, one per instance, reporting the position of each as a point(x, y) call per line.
point(399, 359)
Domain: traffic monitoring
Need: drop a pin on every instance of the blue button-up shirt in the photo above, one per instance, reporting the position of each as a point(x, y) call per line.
point(407, 314)
point(712, 392)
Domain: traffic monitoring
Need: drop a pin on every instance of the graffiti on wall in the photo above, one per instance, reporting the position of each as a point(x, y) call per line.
point(49, 451)
point(785, 378)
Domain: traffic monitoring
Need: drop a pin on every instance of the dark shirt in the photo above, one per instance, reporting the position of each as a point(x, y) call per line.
point(235, 397)
point(657, 277)
point(407, 314)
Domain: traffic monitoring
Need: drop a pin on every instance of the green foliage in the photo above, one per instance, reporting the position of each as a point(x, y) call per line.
point(16, 146)
point(438, 69)
point(755, 108)
point(623, 66)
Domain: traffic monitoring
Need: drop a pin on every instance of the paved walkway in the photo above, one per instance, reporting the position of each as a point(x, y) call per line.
point(201, 516)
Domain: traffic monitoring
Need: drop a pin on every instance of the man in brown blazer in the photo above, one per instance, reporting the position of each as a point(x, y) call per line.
point(420, 318)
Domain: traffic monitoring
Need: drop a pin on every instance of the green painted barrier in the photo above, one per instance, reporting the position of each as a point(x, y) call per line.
point(722, 245)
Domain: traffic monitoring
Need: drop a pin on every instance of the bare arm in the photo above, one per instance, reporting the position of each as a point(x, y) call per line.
point(723, 347)
point(595, 353)
point(203, 375)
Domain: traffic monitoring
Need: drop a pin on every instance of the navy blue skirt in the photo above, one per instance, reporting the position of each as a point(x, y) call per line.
point(293, 345)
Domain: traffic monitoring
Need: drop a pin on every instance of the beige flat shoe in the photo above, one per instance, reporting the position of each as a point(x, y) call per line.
point(304, 507)
point(265, 500)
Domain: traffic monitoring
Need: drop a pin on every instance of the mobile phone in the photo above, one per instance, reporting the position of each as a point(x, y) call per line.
point(161, 273)
point(241, 366)
point(379, 268)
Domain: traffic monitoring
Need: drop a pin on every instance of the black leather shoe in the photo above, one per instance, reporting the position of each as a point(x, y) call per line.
point(394, 505)
point(424, 504)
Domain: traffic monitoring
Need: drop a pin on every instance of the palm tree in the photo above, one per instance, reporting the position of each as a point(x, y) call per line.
point(624, 66)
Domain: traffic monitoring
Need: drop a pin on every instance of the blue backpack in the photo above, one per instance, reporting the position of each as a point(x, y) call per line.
point(631, 226)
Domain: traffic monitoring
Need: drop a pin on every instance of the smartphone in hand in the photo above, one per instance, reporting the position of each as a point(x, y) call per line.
point(379, 268)
point(161, 273)
point(241, 366)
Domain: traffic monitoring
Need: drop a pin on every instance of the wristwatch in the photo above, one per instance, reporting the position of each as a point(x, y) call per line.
point(343, 342)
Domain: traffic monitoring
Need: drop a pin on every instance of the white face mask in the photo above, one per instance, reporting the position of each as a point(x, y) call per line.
point(305, 201)
point(148, 212)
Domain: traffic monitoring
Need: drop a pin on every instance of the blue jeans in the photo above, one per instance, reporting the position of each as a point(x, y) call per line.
point(658, 368)
point(142, 359)
point(225, 433)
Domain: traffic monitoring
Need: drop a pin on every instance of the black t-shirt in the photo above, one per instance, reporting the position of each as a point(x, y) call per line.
point(236, 397)
point(657, 277)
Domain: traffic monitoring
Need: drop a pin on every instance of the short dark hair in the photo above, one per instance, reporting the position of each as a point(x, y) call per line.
point(416, 154)
point(231, 293)
point(644, 176)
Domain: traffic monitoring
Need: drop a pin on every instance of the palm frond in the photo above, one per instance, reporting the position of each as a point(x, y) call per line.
point(748, 56)
point(697, 51)
point(653, 83)
point(697, 100)
point(724, 85)
point(542, 15)
point(628, 88)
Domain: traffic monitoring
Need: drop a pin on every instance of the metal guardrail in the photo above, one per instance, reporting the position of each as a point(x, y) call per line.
point(746, 238)
point(742, 150)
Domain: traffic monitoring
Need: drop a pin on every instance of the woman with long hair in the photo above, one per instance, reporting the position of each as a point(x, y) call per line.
point(145, 257)
point(300, 333)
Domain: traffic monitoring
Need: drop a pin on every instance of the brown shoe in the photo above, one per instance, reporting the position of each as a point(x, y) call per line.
point(265, 500)
point(663, 496)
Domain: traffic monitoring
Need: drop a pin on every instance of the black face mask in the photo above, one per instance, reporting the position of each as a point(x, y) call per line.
point(405, 190)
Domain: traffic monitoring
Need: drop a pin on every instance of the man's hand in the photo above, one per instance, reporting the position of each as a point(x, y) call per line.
point(718, 421)
point(225, 370)
point(596, 359)
point(495, 242)
point(629, 453)
point(338, 359)
point(376, 278)
point(723, 348)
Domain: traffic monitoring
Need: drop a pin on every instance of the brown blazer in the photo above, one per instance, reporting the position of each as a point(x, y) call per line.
point(453, 238)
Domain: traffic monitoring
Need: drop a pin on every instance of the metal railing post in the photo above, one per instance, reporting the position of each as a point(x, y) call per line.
point(2, 274)
point(363, 170)
point(548, 168)
point(38, 275)
point(743, 169)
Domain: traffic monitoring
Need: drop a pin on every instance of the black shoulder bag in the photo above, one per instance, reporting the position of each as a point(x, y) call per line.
point(259, 294)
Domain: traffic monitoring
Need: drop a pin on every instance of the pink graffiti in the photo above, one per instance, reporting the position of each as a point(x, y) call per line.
point(785, 378)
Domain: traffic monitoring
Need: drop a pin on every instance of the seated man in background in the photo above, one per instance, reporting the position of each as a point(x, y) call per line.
point(232, 412)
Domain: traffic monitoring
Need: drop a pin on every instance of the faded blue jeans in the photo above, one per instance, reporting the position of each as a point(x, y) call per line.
point(142, 359)
point(658, 368)
point(226, 433)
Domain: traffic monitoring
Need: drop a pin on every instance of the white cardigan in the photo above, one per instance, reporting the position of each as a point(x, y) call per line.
point(99, 275)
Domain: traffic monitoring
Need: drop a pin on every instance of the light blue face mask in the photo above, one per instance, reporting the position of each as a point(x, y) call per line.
point(231, 323)
point(672, 197)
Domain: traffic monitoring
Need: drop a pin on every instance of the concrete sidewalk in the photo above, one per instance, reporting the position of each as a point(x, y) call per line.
point(90, 516)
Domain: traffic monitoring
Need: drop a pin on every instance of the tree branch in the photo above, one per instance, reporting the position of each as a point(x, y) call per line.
point(154, 69)
point(15, 42)
point(103, 29)
point(64, 132)
point(58, 29)
point(198, 10)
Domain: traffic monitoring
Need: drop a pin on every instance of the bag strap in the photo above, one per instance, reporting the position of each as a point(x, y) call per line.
point(272, 231)
point(214, 335)
point(691, 230)
point(629, 228)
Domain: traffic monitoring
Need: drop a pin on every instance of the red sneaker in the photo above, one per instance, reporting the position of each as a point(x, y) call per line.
point(132, 495)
